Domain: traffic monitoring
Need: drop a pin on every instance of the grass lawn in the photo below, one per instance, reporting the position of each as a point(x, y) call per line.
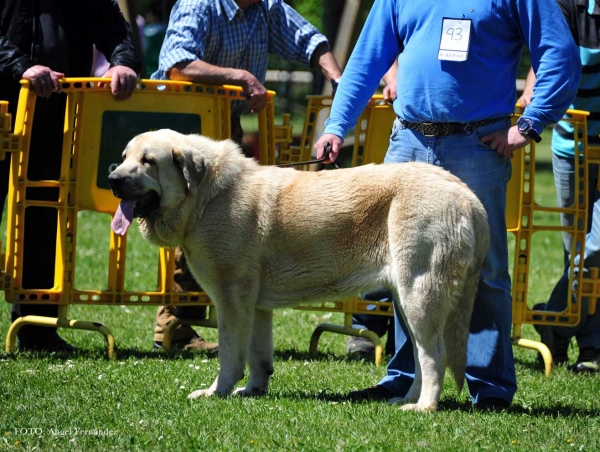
point(84, 402)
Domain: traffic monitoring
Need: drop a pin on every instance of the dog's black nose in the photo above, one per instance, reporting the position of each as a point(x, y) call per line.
point(115, 181)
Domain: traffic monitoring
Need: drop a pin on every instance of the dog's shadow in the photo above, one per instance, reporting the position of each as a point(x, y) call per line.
point(447, 405)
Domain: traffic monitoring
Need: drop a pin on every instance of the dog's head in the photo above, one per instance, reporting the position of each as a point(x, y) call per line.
point(159, 169)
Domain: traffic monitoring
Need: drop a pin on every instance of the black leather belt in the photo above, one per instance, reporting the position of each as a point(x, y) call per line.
point(434, 129)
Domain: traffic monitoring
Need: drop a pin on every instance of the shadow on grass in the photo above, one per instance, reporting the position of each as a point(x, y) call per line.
point(129, 353)
point(122, 354)
point(451, 405)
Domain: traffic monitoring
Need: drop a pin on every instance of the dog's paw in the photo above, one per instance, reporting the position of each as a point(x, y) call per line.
point(200, 393)
point(400, 400)
point(247, 392)
point(417, 407)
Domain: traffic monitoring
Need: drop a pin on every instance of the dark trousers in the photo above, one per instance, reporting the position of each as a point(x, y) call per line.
point(39, 248)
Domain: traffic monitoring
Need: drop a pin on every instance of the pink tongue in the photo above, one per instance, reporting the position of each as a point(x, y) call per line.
point(123, 216)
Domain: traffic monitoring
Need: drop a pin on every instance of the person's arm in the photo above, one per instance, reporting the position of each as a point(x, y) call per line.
point(15, 63)
point(554, 58)
point(374, 54)
point(556, 66)
point(390, 80)
point(323, 58)
point(113, 37)
point(199, 71)
point(293, 38)
point(527, 95)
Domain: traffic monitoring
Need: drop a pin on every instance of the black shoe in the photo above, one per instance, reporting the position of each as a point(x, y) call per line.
point(361, 345)
point(46, 343)
point(374, 393)
point(588, 361)
point(558, 345)
point(492, 404)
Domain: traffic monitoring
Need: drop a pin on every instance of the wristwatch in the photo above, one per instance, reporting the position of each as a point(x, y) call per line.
point(526, 129)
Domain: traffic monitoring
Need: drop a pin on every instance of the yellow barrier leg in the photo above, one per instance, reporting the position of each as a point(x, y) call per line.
point(348, 331)
point(11, 337)
point(541, 348)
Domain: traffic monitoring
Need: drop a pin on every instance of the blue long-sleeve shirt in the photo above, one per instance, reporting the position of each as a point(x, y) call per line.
point(483, 86)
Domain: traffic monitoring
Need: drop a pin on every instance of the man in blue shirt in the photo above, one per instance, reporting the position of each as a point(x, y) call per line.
point(583, 18)
point(457, 66)
point(227, 42)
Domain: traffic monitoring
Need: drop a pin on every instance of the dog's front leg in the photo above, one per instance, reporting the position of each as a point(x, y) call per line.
point(234, 321)
point(260, 359)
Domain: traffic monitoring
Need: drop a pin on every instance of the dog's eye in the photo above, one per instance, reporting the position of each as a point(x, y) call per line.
point(146, 161)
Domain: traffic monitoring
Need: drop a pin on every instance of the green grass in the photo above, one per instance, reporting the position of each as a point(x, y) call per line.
point(139, 402)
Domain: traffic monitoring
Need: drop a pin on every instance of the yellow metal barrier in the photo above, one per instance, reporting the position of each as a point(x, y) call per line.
point(96, 130)
point(371, 142)
point(94, 121)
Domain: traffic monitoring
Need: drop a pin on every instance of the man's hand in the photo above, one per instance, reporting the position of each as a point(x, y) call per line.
point(389, 93)
point(525, 99)
point(43, 80)
point(256, 93)
point(123, 81)
point(506, 141)
point(336, 144)
point(527, 95)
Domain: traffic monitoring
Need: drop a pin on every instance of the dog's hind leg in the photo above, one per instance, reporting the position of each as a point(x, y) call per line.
point(260, 355)
point(414, 391)
point(425, 316)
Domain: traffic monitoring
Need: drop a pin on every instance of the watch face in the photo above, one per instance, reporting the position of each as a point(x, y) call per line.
point(524, 124)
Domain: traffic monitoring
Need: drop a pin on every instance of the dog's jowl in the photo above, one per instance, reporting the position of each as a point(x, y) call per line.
point(260, 237)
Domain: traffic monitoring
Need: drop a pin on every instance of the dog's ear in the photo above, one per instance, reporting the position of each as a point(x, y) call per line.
point(193, 172)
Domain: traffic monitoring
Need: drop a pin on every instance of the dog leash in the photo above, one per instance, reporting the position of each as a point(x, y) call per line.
point(310, 162)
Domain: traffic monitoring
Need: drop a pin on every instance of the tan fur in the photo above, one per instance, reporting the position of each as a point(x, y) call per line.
point(258, 238)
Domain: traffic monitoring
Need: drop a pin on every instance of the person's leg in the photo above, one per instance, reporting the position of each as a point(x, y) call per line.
point(183, 336)
point(40, 225)
point(490, 362)
point(587, 332)
point(405, 146)
point(378, 324)
point(564, 181)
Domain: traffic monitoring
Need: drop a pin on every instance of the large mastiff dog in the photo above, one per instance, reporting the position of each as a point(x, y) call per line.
point(258, 238)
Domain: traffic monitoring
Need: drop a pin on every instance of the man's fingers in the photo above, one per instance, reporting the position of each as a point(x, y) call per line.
point(43, 85)
point(257, 103)
point(54, 77)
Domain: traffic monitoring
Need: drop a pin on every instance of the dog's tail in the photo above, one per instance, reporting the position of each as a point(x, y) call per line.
point(456, 334)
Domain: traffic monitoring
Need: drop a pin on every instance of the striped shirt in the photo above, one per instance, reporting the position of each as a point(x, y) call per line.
point(220, 33)
point(583, 18)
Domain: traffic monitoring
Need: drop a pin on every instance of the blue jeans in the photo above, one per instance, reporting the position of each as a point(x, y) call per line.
point(490, 362)
point(587, 332)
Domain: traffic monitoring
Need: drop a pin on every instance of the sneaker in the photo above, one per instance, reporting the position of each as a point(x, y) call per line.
point(190, 343)
point(359, 345)
point(376, 393)
point(45, 343)
point(558, 345)
point(588, 361)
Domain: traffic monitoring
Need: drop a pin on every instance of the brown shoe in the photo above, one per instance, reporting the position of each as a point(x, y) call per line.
point(197, 343)
point(191, 343)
